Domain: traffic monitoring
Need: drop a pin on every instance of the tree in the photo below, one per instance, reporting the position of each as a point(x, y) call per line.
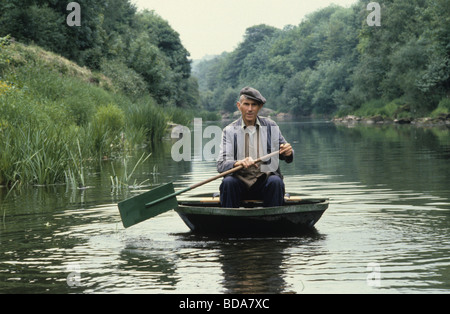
point(110, 31)
point(333, 59)
point(146, 59)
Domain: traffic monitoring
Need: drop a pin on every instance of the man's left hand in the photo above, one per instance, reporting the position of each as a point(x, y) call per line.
point(286, 149)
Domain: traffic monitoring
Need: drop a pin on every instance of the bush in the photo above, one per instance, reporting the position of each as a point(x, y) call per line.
point(5, 58)
point(110, 118)
point(180, 115)
point(124, 78)
point(445, 103)
point(371, 108)
point(443, 108)
point(398, 108)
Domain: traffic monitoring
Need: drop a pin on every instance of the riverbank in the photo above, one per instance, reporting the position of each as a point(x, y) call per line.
point(440, 120)
point(390, 205)
point(57, 117)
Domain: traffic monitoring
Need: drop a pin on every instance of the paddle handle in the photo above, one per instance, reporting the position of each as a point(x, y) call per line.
point(194, 186)
point(225, 173)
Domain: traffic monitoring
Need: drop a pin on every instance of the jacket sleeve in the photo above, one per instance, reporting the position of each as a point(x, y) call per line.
point(226, 158)
point(282, 140)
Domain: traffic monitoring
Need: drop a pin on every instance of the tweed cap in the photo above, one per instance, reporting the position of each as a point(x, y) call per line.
point(254, 94)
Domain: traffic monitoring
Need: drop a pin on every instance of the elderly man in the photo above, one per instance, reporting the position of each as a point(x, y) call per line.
point(243, 141)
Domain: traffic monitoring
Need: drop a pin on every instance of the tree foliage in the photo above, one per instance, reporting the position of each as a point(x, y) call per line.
point(114, 37)
point(334, 61)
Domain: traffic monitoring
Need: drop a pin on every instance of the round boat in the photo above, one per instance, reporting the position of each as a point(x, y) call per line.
point(203, 214)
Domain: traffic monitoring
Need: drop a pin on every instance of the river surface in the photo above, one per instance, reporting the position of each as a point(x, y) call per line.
point(387, 229)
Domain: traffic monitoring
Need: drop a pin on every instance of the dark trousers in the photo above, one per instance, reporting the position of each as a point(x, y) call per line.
point(270, 190)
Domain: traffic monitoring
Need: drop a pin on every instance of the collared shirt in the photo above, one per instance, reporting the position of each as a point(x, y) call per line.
point(252, 140)
point(251, 149)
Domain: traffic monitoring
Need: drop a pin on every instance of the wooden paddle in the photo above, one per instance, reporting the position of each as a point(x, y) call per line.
point(163, 198)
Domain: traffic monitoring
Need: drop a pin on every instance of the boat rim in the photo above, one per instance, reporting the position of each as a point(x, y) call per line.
point(302, 206)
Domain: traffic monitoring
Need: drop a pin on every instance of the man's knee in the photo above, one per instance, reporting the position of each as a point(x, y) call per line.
point(230, 192)
point(275, 182)
point(230, 181)
point(274, 191)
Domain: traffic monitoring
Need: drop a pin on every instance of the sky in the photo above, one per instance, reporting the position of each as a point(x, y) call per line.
point(210, 27)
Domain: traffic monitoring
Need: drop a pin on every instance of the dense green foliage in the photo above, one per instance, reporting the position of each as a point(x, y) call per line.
point(334, 62)
point(72, 95)
point(139, 50)
point(69, 94)
point(55, 116)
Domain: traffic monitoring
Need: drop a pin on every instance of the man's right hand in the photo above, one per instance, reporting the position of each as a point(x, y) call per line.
point(247, 162)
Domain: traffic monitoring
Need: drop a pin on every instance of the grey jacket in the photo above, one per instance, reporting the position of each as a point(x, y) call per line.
point(232, 146)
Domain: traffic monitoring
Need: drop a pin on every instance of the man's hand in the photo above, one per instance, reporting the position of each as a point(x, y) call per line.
point(247, 162)
point(286, 149)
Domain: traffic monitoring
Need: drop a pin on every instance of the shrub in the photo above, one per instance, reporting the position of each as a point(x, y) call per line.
point(110, 117)
point(443, 108)
point(124, 78)
point(5, 58)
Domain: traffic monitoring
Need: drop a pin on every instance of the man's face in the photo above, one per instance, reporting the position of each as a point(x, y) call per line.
point(249, 109)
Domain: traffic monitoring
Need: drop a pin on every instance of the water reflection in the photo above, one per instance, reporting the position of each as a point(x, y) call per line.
point(251, 265)
point(256, 266)
point(389, 204)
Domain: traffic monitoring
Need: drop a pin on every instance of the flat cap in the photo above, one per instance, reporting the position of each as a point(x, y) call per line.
point(254, 94)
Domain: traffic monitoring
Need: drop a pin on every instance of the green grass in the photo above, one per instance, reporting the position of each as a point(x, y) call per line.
point(442, 109)
point(118, 181)
point(393, 109)
point(56, 116)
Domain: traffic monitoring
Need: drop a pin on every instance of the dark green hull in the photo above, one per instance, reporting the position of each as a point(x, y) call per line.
point(209, 218)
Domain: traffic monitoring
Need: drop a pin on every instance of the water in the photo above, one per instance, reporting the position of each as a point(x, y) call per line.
point(386, 229)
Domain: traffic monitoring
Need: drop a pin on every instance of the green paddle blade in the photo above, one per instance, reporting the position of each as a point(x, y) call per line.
point(136, 209)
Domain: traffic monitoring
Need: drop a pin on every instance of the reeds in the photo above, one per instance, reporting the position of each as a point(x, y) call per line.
point(75, 172)
point(147, 116)
point(7, 195)
point(53, 124)
point(124, 179)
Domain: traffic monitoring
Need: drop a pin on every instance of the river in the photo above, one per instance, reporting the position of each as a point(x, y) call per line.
point(387, 229)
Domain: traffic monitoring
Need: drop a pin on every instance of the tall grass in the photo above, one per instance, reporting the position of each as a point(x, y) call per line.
point(443, 108)
point(124, 178)
point(75, 174)
point(147, 116)
point(55, 117)
point(34, 156)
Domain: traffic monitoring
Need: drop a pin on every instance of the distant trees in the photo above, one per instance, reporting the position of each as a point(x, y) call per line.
point(407, 58)
point(333, 61)
point(114, 38)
